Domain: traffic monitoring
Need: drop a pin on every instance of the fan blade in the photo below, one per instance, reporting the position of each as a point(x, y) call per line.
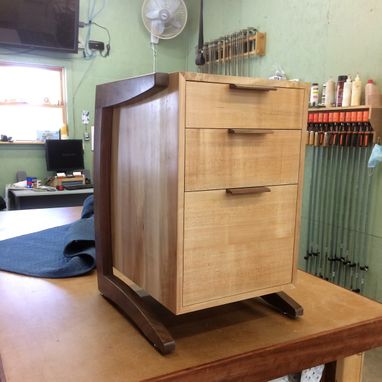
point(176, 24)
point(157, 27)
point(173, 6)
point(152, 15)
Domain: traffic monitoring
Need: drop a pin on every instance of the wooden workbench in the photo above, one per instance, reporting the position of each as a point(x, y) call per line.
point(64, 330)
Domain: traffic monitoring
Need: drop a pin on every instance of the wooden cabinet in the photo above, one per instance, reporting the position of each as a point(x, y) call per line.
point(198, 187)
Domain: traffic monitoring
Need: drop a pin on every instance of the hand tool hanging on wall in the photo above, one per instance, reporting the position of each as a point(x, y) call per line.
point(337, 243)
point(231, 54)
point(356, 206)
point(317, 209)
point(326, 195)
point(347, 228)
point(364, 242)
point(311, 151)
point(200, 59)
point(330, 196)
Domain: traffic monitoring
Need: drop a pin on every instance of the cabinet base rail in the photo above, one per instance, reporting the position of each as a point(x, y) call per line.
point(142, 312)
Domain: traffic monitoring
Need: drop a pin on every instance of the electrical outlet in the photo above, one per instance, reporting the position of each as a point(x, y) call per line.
point(85, 117)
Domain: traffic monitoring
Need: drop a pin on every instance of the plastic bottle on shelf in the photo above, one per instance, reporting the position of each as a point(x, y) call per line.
point(346, 98)
point(323, 95)
point(340, 89)
point(356, 91)
point(371, 93)
point(330, 93)
point(314, 90)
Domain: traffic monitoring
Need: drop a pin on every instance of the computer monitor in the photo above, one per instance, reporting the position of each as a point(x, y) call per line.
point(64, 155)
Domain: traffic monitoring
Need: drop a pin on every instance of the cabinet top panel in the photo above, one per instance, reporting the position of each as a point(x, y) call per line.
point(218, 78)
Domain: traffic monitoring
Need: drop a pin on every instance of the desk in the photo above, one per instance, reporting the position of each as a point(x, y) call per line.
point(64, 330)
point(28, 199)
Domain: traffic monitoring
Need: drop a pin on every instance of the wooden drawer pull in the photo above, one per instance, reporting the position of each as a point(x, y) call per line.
point(249, 131)
point(247, 190)
point(259, 88)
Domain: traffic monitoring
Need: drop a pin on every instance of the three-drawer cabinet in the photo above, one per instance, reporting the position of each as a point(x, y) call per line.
point(198, 183)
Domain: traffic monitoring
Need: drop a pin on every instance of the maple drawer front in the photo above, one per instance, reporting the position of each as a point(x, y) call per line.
point(220, 158)
point(236, 244)
point(211, 105)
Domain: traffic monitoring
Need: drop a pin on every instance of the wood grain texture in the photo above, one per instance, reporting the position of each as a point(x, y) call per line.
point(211, 105)
point(280, 360)
point(237, 244)
point(245, 81)
point(304, 119)
point(107, 96)
point(217, 159)
point(349, 369)
point(130, 90)
point(144, 196)
point(181, 186)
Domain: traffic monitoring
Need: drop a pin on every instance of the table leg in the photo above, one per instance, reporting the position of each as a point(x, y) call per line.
point(349, 369)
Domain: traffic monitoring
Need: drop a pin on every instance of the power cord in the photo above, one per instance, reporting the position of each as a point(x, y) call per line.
point(90, 54)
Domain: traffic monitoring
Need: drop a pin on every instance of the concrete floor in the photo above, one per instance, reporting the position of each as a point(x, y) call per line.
point(372, 368)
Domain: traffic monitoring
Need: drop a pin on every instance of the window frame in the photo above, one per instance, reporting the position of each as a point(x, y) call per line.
point(63, 104)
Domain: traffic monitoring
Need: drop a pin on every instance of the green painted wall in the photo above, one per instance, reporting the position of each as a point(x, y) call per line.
point(131, 54)
point(313, 40)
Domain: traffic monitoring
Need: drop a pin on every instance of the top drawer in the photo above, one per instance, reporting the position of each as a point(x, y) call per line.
point(214, 105)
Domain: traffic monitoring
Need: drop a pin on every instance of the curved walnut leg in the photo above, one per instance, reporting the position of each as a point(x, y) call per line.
point(138, 312)
point(284, 304)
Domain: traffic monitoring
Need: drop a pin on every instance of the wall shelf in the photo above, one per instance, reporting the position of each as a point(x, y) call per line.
point(375, 116)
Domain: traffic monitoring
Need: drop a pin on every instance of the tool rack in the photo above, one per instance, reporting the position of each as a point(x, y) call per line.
point(242, 44)
point(340, 192)
point(375, 116)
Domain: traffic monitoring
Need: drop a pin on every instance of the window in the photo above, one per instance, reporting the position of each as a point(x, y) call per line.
point(32, 105)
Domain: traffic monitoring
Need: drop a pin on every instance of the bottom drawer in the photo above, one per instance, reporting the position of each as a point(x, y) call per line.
point(235, 244)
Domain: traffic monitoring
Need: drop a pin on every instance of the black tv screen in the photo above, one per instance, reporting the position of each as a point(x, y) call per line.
point(40, 24)
point(64, 155)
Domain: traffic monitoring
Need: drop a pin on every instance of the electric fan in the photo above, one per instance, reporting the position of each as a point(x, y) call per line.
point(164, 19)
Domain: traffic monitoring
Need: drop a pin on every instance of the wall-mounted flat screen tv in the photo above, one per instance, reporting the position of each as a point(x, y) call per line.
point(64, 155)
point(40, 24)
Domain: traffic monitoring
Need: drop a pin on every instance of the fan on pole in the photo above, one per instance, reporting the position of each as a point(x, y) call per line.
point(164, 19)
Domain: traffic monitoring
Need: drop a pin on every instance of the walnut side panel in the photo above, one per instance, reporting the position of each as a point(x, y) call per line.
point(144, 193)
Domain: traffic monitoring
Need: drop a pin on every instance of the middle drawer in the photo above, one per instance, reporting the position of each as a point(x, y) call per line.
point(221, 158)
